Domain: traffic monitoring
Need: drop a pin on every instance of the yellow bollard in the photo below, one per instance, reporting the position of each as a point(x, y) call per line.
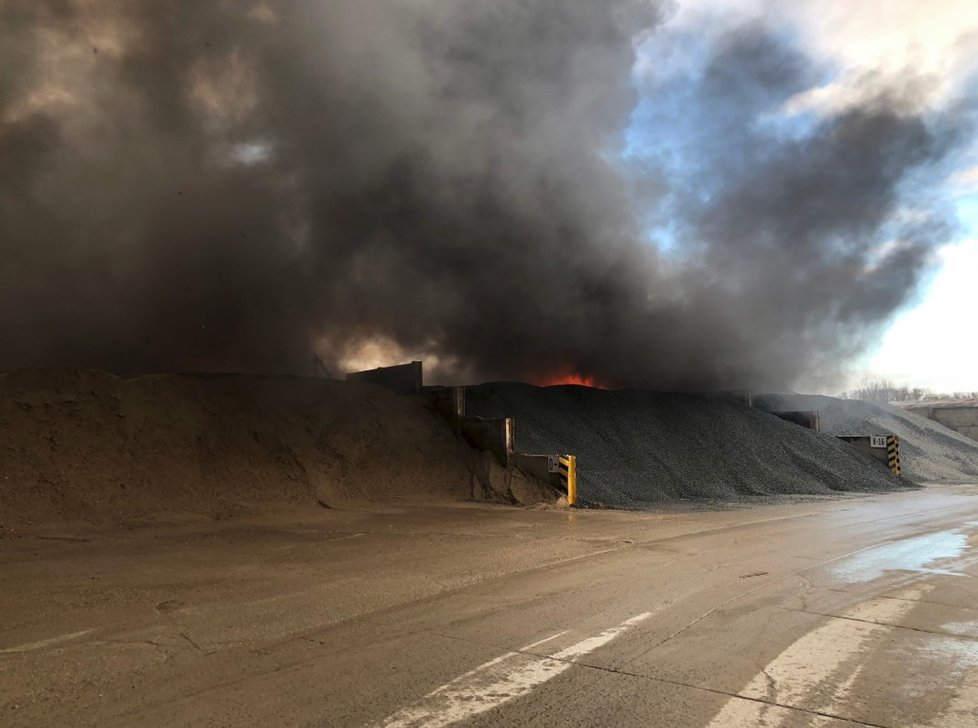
point(893, 454)
point(568, 473)
point(572, 481)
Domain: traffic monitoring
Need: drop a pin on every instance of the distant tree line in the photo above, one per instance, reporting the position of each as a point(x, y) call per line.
point(883, 390)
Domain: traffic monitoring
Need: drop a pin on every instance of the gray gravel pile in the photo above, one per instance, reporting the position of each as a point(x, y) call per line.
point(85, 446)
point(929, 452)
point(646, 447)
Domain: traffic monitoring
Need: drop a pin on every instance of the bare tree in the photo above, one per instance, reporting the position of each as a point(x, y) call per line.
point(879, 389)
point(947, 396)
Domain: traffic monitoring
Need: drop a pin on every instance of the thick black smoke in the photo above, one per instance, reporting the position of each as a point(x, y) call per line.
point(230, 186)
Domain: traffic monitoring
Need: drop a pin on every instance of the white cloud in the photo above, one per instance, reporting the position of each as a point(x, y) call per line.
point(873, 44)
point(833, 98)
point(933, 345)
point(891, 36)
point(965, 181)
point(889, 42)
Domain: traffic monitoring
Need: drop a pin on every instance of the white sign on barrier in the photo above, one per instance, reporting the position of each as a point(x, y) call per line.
point(553, 463)
point(877, 441)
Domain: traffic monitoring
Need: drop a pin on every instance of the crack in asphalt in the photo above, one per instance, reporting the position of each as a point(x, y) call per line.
point(906, 599)
point(191, 641)
point(884, 624)
point(772, 686)
point(715, 691)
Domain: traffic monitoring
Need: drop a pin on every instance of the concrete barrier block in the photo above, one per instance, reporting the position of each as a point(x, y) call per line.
point(541, 467)
point(559, 471)
point(449, 402)
point(885, 448)
point(403, 378)
point(494, 435)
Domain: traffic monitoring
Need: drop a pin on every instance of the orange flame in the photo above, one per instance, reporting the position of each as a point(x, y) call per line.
point(580, 380)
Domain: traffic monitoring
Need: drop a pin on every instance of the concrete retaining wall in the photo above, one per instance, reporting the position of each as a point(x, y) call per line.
point(449, 402)
point(557, 471)
point(492, 435)
point(885, 448)
point(539, 466)
point(403, 378)
point(963, 419)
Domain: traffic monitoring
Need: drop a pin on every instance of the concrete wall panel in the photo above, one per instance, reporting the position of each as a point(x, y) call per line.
point(449, 402)
point(960, 417)
point(403, 378)
point(493, 435)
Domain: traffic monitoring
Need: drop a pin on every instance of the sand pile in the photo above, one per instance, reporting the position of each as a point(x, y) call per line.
point(643, 447)
point(929, 452)
point(89, 446)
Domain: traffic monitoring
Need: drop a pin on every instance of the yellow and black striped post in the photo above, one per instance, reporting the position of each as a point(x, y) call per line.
point(893, 454)
point(567, 467)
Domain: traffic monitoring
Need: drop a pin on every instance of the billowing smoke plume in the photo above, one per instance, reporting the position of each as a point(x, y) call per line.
point(230, 186)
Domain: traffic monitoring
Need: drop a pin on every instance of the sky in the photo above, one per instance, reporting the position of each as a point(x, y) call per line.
point(858, 47)
point(689, 194)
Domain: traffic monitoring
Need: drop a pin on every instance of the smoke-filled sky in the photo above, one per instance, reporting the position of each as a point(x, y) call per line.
point(859, 48)
point(666, 195)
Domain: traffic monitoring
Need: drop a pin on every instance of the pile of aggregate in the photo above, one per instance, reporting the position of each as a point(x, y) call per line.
point(90, 447)
point(929, 451)
point(636, 447)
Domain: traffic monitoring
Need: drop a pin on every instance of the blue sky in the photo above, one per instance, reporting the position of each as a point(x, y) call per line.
point(854, 50)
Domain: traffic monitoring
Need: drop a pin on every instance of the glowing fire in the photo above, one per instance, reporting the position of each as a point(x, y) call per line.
point(580, 380)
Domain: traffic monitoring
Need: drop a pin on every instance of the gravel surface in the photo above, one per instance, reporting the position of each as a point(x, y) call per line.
point(92, 447)
point(647, 447)
point(929, 452)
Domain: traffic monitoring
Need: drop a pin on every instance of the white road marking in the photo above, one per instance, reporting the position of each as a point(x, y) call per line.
point(31, 646)
point(543, 641)
point(813, 660)
point(507, 677)
point(843, 694)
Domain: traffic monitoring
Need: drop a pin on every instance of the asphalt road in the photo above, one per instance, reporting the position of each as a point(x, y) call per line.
point(859, 611)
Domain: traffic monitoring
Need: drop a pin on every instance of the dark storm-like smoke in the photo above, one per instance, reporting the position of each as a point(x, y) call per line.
point(229, 186)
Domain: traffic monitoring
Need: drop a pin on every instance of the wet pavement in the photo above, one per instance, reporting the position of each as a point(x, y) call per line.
point(856, 611)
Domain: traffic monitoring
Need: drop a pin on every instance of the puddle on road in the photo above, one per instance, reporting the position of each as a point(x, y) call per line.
point(921, 553)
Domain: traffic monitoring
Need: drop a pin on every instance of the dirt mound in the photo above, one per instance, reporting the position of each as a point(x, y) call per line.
point(644, 447)
point(90, 446)
point(929, 452)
